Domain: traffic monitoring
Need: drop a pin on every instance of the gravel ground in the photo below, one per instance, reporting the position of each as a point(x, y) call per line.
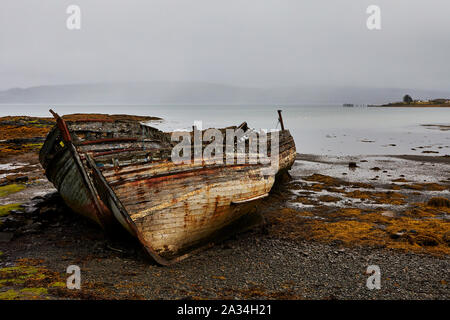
point(251, 265)
point(255, 264)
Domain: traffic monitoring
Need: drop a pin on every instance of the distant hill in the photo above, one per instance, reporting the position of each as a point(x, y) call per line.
point(204, 93)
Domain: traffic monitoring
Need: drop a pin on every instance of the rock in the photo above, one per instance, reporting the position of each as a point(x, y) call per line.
point(6, 236)
point(425, 240)
point(13, 212)
point(397, 235)
point(375, 169)
point(26, 140)
point(31, 210)
point(32, 228)
point(17, 178)
point(352, 165)
point(227, 246)
point(328, 198)
point(439, 202)
point(46, 210)
point(388, 213)
point(446, 238)
point(379, 227)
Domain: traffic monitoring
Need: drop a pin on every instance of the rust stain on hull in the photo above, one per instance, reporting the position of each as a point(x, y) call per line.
point(170, 208)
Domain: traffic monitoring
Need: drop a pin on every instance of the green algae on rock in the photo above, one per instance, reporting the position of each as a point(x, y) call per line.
point(10, 189)
point(35, 291)
point(25, 281)
point(58, 284)
point(9, 295)
point(7, 208)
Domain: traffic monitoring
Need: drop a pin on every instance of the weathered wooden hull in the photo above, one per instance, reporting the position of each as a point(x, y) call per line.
point(126, 177)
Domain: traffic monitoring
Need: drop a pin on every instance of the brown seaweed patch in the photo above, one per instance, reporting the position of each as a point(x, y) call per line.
point(361, 185)
point(336, 190)
point(326, 180)
point(389, 197)
point(439, 202)
point(8, 132)
point(347, 232)
point(420, 209)
point(287, 213)
point(418, 213)
point(425, 186)
point(357, 194)
point(106, 117)
point(351, 213)
point(419, 235)
point(400, 180)
point(413, 230)
point(328, 198)
point(304, 200)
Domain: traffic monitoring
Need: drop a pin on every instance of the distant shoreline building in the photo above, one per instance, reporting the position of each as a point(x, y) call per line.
point(440, 101)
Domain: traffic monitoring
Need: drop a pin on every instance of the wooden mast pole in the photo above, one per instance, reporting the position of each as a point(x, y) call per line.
point(280, 118)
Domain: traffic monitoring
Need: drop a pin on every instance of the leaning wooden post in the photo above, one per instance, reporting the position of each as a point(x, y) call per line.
point(280, 118)
point(62, 126)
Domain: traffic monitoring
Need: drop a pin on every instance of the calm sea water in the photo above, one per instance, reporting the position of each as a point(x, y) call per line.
point(317, 129)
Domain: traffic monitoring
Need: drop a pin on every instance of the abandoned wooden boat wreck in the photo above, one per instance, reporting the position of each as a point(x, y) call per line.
point(120, 172)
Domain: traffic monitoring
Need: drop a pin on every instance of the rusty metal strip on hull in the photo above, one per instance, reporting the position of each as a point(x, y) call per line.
point(84, 143)
point(250, 199)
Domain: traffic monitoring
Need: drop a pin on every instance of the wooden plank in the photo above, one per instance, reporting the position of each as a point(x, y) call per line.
point(169, 207)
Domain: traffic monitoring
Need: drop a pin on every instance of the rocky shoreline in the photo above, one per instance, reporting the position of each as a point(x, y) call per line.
point(322, 230)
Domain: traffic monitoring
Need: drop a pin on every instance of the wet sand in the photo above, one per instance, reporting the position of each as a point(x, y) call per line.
point(321, 231)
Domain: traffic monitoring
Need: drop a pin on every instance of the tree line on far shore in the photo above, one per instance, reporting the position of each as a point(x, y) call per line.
point(407, 99)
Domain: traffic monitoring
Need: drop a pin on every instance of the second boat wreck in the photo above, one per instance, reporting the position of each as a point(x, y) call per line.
point(120, 172)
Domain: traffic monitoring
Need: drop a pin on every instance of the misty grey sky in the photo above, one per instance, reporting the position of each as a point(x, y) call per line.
point(238, 42)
